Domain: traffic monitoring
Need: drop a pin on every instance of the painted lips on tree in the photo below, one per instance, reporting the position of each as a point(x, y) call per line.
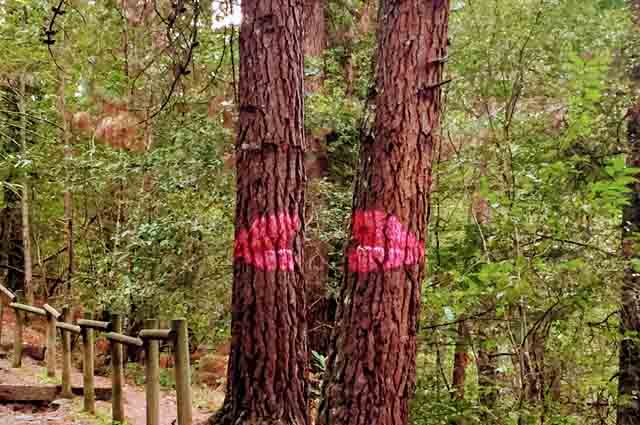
point(268, 242)
point(383, 243)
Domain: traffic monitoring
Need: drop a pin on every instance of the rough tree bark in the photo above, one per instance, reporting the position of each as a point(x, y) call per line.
point(266, 375)
point(371, 368)
point(629, 374)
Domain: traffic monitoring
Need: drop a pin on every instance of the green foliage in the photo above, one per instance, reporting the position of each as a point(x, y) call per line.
point(535, 113)
point(153, 229)
point(136, 373)
point(320, 361)
point(534, 126)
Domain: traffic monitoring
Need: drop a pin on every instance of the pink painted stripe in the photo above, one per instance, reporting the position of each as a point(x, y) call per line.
point(267, 243)
point(383, 243)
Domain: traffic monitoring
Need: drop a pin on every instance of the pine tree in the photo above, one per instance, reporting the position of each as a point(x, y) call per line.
point(371, 370)
point(266, 375)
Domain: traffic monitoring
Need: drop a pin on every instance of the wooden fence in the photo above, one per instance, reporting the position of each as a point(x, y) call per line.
point(149, 338)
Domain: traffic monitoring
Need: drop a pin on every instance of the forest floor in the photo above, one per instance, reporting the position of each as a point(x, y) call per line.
point(69, 412)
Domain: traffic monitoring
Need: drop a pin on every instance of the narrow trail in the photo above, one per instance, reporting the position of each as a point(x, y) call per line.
point(69, 412)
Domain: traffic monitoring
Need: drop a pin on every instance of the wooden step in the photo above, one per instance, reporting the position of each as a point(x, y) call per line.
point(40, 393)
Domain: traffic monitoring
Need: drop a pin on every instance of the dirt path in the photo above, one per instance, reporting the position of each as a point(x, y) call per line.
point(69, 412)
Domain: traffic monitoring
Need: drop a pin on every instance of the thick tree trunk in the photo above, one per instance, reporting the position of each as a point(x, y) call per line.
point(629, 376)
point(371, 369)
point(629, 373)
point(266, 377)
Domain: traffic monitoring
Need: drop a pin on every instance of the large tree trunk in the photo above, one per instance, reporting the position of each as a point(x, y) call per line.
point(371, 369)
point(266, 377)
point(629, 374)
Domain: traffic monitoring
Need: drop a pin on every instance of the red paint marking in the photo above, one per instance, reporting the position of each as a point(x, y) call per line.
point(383, 243)
point(267, 244)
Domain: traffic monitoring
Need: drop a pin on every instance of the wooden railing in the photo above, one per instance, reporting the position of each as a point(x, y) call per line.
point(149, 338)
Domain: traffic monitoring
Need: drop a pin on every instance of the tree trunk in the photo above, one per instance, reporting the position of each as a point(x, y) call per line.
point(11, 214)
point(315, 40)
point(26, 225)
point(460, 360)
point(316, 252)
point(629, 377)
point(68, 197)
point(371, 369)
point(266, 374)
point(12, 220)
point(351, 36)
point(487, 376)
point(629, 374)
point(486, 363)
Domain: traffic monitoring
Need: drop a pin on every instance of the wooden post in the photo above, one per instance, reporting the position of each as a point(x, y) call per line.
point(4, 293)
point(17, 335)
point(17, 339)
point(51, 345)
point(183, 371)
point(87, 367)
point(118, 374)
point(66, 356)
point(1, 318)
point(152, 375)
point(52, 319)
